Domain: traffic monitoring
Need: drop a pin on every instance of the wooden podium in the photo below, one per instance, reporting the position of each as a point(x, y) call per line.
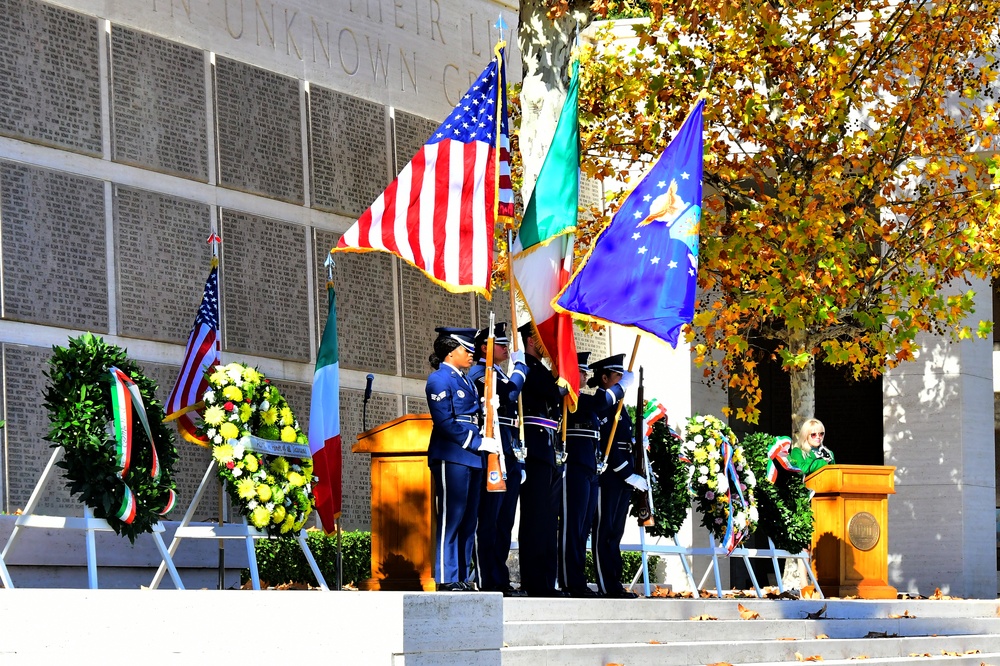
point(401, 503)
point(850, 537)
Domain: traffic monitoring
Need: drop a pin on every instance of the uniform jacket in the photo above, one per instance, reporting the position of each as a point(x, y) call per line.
point(620, 460)
point(590, 409)
point(507, 388)
point(456, 415)
point(541, 397)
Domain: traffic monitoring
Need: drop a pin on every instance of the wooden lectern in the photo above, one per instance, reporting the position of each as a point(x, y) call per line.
point(401, 503)
point(850, 537)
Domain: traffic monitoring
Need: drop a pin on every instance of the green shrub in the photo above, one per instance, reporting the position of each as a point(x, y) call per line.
point(280, 560)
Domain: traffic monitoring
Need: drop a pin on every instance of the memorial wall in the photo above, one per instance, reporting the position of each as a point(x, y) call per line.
point(130, 130)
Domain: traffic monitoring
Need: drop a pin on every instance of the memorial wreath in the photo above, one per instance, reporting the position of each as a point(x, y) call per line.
point(95, 397)
point(784, 502)
point(262, 455)
point(721, 479)
point(671, 481)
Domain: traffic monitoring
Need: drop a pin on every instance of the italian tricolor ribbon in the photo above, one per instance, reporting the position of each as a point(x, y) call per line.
point(655, 410)
point(726, 480)
point(778, 455)
point(124, 396)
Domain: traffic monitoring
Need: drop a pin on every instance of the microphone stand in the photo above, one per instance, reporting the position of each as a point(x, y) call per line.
point(364, 405)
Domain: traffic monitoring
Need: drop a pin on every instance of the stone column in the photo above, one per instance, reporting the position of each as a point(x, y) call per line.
point(938, 433)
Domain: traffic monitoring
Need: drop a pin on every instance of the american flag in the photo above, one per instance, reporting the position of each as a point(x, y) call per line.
point(440, 212)
point(202, 353)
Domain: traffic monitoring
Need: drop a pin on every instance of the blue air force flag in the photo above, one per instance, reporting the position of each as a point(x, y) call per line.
point(643, 269)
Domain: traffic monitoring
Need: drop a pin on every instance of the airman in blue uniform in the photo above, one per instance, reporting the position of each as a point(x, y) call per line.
point(579, 500)
point(616, 481)
point(541, 492)
point(455, 457)
point(497, 510)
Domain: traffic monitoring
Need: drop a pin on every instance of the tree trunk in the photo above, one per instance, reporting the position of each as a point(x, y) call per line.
point(803, 383)
point(546, 47)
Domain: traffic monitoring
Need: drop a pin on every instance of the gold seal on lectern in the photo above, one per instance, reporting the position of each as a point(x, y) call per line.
point(863, 530)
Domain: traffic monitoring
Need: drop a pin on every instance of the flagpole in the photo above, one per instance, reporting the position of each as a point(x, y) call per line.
point(513, 319)
point(621, 403)
point(214, 240)
point(329, 264)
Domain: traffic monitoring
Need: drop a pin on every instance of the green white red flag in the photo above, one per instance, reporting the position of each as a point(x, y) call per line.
point(324, 423)
point(542, 252)
point(655, 410)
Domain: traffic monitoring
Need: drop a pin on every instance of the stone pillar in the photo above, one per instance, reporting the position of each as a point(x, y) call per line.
point(938, 433)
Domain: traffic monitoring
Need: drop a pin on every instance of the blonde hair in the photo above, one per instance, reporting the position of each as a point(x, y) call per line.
point(802, 439)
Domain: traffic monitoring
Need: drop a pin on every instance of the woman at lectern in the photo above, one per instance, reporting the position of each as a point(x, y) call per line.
point(808, 452)
point(453, 455)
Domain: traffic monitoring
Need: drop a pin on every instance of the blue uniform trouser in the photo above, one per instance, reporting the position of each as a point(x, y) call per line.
point(456, 491)
point(537, 536)
point(578, 508)
point(496, 522)
point(614, 496)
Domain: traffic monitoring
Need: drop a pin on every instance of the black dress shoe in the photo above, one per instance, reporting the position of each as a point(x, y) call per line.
point(548, 594)
point(511, 592)
point(452, 587)
point(621, 594)
point(583, 593)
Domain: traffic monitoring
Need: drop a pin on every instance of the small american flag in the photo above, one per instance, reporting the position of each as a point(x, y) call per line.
point(440, 212)
point(202, 353)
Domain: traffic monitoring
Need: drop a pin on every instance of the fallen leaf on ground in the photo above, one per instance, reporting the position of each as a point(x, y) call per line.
point(654, 642)
point(818, 614)
point(704, 616)
point(815, 657)
point(905, 614)
point(721, 663)
point(746, 613)
point(787, 639)
point(821, 637)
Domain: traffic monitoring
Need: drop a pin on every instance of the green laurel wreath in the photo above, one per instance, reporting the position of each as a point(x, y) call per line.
point(785, 506)
point(78, 400)
point(671, 487)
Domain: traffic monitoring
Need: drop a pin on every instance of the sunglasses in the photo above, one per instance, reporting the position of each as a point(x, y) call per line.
point(817, 434)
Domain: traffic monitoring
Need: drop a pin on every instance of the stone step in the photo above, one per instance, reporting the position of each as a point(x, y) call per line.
point(583, 632)
point(528, 609)
point(721, 649)
point(978, 659)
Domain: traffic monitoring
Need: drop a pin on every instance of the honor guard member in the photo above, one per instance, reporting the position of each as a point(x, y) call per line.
point(616, 481)
point(497, 510)
point(455, 457)
point(579, 500)
point(541, 402)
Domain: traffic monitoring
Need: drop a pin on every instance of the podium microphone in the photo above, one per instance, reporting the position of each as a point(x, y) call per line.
point(364, 406)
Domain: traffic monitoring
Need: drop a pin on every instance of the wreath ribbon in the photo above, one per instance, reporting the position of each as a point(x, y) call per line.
point(731, 539)
point(124, 396)
point(778, 455)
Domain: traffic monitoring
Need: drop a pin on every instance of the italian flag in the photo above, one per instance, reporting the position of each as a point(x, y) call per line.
point(324, 422)
point(542, 252)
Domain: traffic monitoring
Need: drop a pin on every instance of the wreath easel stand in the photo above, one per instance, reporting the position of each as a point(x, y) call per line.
point(88, 523)
point(240, 530)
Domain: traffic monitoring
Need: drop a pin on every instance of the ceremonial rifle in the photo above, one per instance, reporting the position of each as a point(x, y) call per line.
point(496, 467)
point(642, 500)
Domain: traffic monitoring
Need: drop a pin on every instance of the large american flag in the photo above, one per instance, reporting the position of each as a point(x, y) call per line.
point(202, 353)
point(440, 212)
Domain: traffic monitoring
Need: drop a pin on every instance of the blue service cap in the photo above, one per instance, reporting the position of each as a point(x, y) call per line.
point(499, 334)
point(615, 363)
point(581, 359)
point(464, 336)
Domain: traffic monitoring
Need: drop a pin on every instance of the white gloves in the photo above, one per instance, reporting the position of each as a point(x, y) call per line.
point(637, 482)
point(489, 445)
point(628, 378)
point(524, 476)
point(517, 356)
